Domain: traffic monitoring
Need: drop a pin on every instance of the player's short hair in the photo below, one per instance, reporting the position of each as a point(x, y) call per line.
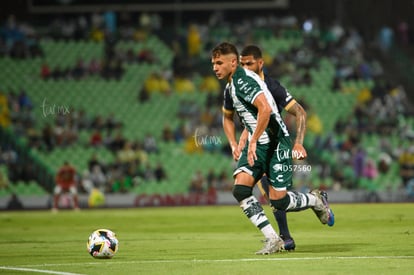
point(224, 48)
point(252, 50)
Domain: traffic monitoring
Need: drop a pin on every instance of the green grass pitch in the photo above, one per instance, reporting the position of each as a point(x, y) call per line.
point(366, 239)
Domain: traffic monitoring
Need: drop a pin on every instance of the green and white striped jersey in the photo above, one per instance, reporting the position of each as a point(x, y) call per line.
point(240, 94)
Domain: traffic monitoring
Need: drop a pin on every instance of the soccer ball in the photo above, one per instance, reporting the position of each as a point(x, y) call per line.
point(102, 244)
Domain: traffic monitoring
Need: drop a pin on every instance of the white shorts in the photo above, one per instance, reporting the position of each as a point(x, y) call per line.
point(60, 190)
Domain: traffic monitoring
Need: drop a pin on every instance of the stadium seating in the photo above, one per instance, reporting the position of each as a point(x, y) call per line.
point(102, 97)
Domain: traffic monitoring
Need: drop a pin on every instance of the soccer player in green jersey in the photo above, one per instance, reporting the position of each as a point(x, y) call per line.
point(268, 148)
point(251, 59)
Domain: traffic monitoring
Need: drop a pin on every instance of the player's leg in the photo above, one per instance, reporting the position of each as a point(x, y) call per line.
point(280, 215)
point(280, 176)
point(254, 212)
point(245, 178)
point(56, 197)
point(297, 201)
point(74, 193)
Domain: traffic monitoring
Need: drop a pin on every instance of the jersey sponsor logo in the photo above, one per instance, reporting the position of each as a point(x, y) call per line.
point(248, 90)
point(279, 178)
point(242, 84)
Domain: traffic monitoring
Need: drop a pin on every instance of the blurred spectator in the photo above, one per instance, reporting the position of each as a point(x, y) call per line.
point(98, 122)
point(148, 173)
point(180, 133)
point(314, 123)
point(156, 83)
point(167, 134)
point(183, 85)
point(143, 95)
point(108, 139)
point(48, 139)
point(45, 71)
point(94, 67)
point(4, 110)
point(406, 161)
point(79, 70)
point(111, 123)
point(14, 203)
point(302, 79)
point(81, 119)
point(193, 41)
point(8, 155)
point(94, 179)
point(197, 183)
point(410, 189)
point(110, 21)
point(146, 56)
point(188, 109)
point(97, 35)
point(19, 40)
point(191, 145)
point(336, 84)
point(384, 162)
point(224, 183)
point(4, 181)
point(402, 30)
point(56, 73)
point(159, 172)
point(65, 135)
point(94, 161)
point(210, 84)
point(370, 170)
point(114, 174)
point(386, 38)
point(126, 154)
point(141, 154)
point(359, 162)
point(96, 138)
point(211, 179)
point(150, 144)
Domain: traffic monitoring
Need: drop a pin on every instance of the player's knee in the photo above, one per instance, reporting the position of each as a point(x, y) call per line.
point(281, 204)
point(241, 192)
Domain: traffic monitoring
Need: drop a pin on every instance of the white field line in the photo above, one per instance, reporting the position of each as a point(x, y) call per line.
point(265, 258)
point(32, 270)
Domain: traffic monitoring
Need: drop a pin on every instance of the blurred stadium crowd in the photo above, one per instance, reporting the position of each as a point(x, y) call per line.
point(165, 135)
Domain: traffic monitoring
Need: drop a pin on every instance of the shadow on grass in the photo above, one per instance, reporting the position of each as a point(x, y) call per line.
point(328, 248)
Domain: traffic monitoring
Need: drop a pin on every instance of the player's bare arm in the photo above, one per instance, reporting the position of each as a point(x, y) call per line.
point(300, 114)
point(263, 116)
point(230, 131)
